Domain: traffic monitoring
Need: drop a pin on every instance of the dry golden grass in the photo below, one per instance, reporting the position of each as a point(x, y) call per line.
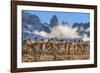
point(28, 55)
point(30, 58)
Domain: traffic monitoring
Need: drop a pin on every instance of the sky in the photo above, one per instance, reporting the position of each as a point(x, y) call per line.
point(70, 17)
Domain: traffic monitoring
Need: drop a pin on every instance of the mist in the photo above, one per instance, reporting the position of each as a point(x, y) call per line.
point(60, 31)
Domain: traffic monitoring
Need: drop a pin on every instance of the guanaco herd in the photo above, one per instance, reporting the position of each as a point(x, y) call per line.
point(54, 47)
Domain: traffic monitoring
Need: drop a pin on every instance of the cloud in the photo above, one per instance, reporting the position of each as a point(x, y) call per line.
point(85, 38)
point(87, 30)
point(41, 33)
point(60, 31)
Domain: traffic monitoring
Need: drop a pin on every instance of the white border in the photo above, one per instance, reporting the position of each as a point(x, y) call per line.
point(53, 63)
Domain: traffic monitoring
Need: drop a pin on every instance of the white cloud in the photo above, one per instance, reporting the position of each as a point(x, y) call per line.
point(42, 33)
point(85, 38)
point(87, 30)
point(60, 31)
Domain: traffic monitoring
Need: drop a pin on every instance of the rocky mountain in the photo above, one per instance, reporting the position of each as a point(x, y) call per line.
point(82, 27)
point(31, 23)
point(54, 21)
